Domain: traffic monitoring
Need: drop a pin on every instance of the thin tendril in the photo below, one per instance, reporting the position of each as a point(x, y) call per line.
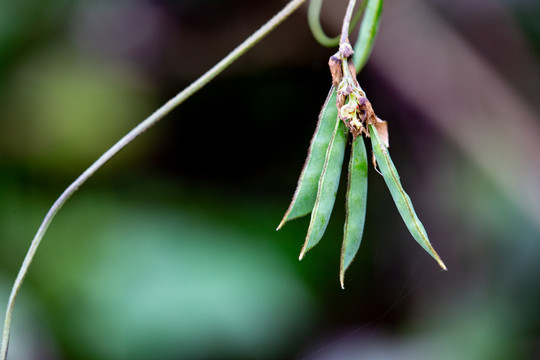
point(129, 137)
point(315, 26)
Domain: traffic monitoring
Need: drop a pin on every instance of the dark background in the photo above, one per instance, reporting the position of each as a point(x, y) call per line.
point(169, 251)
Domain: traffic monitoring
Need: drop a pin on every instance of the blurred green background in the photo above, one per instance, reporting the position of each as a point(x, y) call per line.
point(169, 251)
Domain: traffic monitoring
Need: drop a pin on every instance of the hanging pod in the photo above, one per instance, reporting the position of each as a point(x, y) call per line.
point(401, 199)
point(306, 190)
point(355, 206)
point(327, 188)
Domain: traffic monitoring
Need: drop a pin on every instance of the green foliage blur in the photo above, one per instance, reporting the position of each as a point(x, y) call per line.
point(169, 251)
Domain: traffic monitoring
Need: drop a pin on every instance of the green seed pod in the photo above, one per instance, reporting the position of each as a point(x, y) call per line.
point(356, 206)
point(401, 199)
point(306, 190)
point(328, 185)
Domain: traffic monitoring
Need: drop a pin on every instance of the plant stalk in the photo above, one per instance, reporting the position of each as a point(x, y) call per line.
point(124, 141)
point(347, 23)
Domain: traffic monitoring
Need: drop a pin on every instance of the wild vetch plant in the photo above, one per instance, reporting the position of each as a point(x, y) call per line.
point(348, 111)
point(347, 115)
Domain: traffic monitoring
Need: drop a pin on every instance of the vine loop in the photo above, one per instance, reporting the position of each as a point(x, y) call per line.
point(314, 21)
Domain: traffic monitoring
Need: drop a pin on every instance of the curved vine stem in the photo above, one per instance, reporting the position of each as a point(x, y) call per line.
point(129, 137)
point(314, 21)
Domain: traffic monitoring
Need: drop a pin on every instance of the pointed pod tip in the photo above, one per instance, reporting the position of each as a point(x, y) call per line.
point(437, 258)
point(281, 224)
point(441, 264)
point(303, 251)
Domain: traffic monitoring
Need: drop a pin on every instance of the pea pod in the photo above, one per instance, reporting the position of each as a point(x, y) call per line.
point(367, 33)
point(327, 188)
point(401, 199)
point(306, 190)
point(355, 205)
